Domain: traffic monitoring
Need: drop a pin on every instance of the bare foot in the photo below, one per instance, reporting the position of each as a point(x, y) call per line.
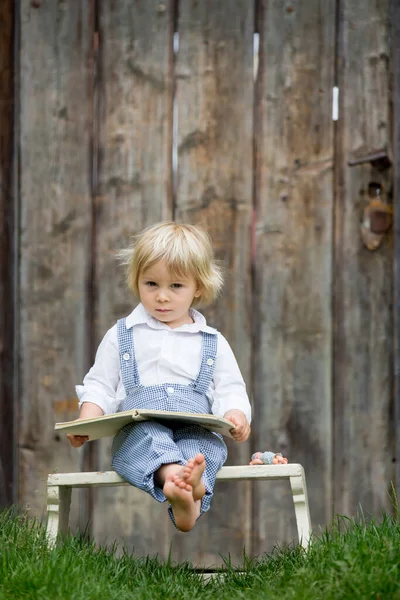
point(192, 474)
point(180, 495)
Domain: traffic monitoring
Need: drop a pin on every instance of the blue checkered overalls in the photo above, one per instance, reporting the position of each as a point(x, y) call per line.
point(140, 449)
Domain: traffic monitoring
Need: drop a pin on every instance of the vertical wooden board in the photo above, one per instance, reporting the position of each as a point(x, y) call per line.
point(214, 79)
point(134, 191)
point(55, 232)
point(7, 259)
point(293, 255)
point(395, 79)
point(363, 289)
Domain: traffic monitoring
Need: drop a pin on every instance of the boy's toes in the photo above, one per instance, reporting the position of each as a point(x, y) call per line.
point(188, 469)
point(183, 485)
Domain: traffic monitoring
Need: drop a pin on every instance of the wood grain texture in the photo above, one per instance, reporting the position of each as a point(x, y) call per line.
point(134, 190)
point(7, 259)
point(293, 256)
point(55, 232)
point(326, 405)
point(394, 15)
point(363, 289)
point(214, 83)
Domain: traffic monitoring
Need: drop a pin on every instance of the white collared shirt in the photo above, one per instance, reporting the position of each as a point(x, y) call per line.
point(164, 355)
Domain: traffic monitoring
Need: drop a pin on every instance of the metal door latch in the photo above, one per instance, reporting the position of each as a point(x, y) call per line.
point(379, 159)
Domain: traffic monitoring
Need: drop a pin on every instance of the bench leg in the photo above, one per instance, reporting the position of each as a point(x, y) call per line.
point(301, 508)
point(58, 505)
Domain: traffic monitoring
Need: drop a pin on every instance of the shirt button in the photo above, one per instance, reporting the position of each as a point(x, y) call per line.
point(210, 361)
point(170, 390)
point(126, 356)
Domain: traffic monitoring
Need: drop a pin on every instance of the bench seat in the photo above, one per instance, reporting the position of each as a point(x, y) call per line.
point(60, 485)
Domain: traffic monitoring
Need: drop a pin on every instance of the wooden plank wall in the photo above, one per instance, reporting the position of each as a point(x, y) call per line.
point(214, 79)
point(363, 360)
point(293, 260)
point(307, 308)
point(134, 190)
point(7, 259)
point(55, 178)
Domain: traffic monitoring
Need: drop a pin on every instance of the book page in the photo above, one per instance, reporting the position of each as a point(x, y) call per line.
point(109, 425)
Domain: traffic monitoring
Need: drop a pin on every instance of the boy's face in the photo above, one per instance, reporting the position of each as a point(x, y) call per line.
point(167, 297)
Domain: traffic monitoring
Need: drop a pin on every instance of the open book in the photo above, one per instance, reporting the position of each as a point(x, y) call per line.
point(109, 425)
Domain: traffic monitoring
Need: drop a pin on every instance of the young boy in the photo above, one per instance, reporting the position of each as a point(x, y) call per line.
point(164, 356)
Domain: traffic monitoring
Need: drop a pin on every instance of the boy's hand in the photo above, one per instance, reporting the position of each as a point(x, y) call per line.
point(88, 410)
point(242, 427)
point(77, 441)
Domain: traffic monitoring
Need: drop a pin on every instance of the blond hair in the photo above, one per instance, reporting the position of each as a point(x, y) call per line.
point(186, 250)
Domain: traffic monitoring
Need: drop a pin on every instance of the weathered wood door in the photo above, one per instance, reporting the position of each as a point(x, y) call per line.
point(217, 112)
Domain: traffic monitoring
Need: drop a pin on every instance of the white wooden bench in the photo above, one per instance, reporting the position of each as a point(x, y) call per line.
point(59, 488)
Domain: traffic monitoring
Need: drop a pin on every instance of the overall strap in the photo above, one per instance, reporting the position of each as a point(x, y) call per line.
point(127, 360)
point(209, 355)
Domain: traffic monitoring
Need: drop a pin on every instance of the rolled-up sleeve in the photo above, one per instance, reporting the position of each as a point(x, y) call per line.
point(229, 388)
point(101, 382)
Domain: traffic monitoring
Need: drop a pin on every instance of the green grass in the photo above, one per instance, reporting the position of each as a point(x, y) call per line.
point(354, 559)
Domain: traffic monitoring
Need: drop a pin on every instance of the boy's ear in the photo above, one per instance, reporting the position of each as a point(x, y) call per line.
point(197, 293)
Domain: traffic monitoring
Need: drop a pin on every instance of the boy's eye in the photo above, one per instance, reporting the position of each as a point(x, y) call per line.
point(151, 283)
point(176, 285)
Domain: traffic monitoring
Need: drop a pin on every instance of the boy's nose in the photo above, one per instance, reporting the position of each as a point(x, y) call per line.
point(162, 296)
